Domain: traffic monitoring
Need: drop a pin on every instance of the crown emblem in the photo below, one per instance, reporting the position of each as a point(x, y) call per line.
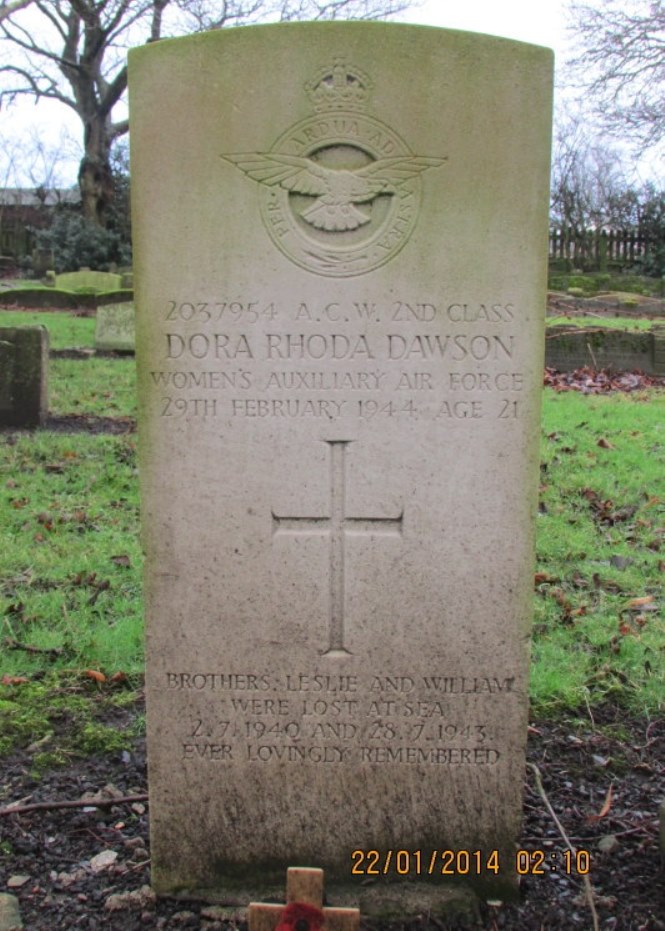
point(339, 87)
point(340, 190)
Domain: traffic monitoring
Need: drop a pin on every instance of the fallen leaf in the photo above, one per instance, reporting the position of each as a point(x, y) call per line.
point(639, 602)
point(120, 560)
point(541, 577)
point(604, 444)
point(607, 804)
point(95, 674)
point(13, 680)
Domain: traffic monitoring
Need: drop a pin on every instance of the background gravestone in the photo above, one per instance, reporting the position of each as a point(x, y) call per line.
point(23, 376)
point(114, 327)
point(340, 350)
point(89, 280)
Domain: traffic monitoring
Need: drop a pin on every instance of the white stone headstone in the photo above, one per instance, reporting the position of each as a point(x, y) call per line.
point(115, 327)
point(341, 239)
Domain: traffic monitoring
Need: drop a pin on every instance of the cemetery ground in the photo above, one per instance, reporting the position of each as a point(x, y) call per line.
point(71, 648)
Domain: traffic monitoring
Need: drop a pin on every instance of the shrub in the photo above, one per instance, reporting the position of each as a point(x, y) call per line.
point(78, 243)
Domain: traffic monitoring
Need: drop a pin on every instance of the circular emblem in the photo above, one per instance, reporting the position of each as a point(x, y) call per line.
point(340, 190)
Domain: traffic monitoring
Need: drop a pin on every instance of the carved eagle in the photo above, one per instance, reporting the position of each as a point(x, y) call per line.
point(337, 190)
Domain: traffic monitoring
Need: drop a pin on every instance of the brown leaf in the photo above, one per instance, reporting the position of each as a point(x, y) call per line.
point(95, 674)
point(541, 577)
point(639, 602)
point(120, 560)
point(607, 804)
point(604, 444)
point(118, 677)
point(13, 680)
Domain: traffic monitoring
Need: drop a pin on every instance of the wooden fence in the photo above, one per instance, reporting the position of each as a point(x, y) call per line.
point(599, 250)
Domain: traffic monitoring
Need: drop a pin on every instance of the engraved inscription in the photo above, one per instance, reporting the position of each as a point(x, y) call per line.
point(341, 719)
point(459, 366)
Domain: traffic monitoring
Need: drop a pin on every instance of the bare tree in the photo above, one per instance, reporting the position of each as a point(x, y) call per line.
point(74, 51)
point(620, 61)
point(589, 180)
point(12, 6)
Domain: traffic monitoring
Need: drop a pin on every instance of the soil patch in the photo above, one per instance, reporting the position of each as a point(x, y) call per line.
point(89, 423)
point(603, 778)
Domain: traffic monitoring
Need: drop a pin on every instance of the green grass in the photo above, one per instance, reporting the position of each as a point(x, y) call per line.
point(604, 323)
point(598, 282)
point(65, 330)
point(58, 719)
point(599, 625)
point(100, 386)
point(70, 561)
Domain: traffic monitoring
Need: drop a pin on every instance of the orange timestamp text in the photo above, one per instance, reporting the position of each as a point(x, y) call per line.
point(405, 862)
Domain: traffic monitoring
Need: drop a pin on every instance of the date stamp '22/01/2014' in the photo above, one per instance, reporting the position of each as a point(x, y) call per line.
point(404, 862)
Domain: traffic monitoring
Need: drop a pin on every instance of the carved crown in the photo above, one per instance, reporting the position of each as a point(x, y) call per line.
point(339, 87)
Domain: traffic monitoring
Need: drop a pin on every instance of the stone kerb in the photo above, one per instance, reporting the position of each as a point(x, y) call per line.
point(55, 297)
point(86, 279)
point(615, 350)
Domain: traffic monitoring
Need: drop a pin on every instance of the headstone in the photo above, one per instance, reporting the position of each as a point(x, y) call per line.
point(114, 328)
point(23, 376)
point(340, 351)
point(87, 280)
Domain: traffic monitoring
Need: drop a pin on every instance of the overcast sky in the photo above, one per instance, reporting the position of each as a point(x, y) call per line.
point(541, 22)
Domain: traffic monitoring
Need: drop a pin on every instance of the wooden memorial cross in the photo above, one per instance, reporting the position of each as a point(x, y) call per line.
point(303, 885)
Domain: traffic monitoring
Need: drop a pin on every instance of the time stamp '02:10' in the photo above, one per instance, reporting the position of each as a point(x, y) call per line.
point(468, 862)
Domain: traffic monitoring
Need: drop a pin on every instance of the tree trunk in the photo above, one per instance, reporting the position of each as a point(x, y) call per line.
point(95, 175)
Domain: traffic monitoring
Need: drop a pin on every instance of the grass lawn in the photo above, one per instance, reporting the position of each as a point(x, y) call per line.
point(65, 330)
point(598, 322)
point(70, 560)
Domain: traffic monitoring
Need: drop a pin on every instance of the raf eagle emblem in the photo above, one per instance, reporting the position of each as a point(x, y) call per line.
point(337, 190)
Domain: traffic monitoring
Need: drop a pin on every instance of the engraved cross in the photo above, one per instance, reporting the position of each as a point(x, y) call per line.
point(337, 527)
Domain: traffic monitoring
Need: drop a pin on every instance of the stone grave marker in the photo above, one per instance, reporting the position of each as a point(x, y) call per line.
point(23, 376)
point(114, 327)
point(86, 279)
point(340, 350)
